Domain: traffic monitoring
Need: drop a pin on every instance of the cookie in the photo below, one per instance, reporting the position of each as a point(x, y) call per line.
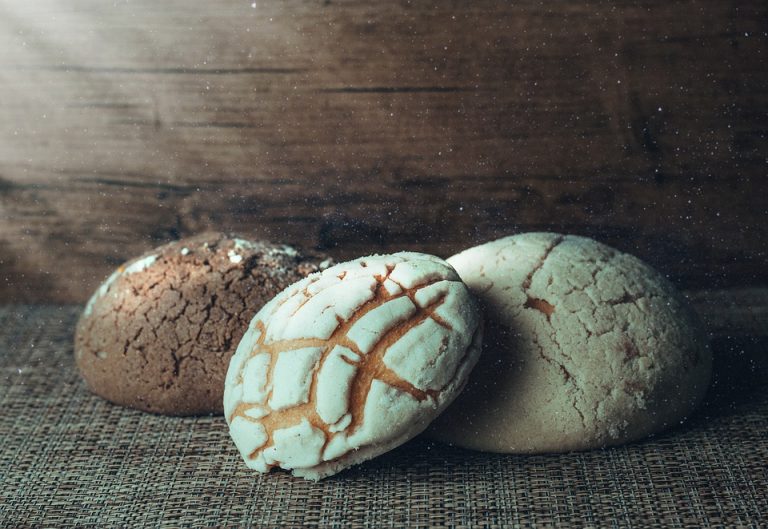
point(585, 347)
point(158, 334)
point(350, 363)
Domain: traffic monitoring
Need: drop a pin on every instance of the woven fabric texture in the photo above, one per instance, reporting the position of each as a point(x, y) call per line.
point(70, 459)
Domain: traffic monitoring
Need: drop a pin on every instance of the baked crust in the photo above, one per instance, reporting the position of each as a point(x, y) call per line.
point(585, 347)
point(158, 334)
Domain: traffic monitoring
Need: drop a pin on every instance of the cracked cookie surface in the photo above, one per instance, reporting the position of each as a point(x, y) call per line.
point(351, 362)
point(585, 347)
point(158, 334)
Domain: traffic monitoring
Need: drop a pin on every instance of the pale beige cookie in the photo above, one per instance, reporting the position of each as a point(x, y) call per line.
point(585, 347)
point(158, 334)
point(351, 362)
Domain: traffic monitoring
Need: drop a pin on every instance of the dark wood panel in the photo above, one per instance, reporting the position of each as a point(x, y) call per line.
point(364, 126)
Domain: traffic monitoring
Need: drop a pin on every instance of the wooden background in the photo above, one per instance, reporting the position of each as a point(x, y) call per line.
point(367, 126)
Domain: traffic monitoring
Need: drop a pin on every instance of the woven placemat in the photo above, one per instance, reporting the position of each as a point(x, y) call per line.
point(70, 459)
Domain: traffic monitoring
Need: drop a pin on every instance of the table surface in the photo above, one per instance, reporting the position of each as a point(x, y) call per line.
point(68, 458)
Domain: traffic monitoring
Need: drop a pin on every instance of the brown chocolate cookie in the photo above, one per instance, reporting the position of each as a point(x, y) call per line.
point(158, 334)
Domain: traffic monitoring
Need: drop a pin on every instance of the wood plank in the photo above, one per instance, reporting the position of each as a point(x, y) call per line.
point(360, 126)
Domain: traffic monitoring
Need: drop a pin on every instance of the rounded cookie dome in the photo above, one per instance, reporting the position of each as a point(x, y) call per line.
point(158, 334)
point(350, 362)
point(585, 347)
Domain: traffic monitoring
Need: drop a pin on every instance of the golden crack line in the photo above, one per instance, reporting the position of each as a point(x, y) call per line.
point(362, 382)
point(308, 410)
point(540, 265)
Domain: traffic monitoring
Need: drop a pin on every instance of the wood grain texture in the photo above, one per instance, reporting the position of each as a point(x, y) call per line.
point(363, 126)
